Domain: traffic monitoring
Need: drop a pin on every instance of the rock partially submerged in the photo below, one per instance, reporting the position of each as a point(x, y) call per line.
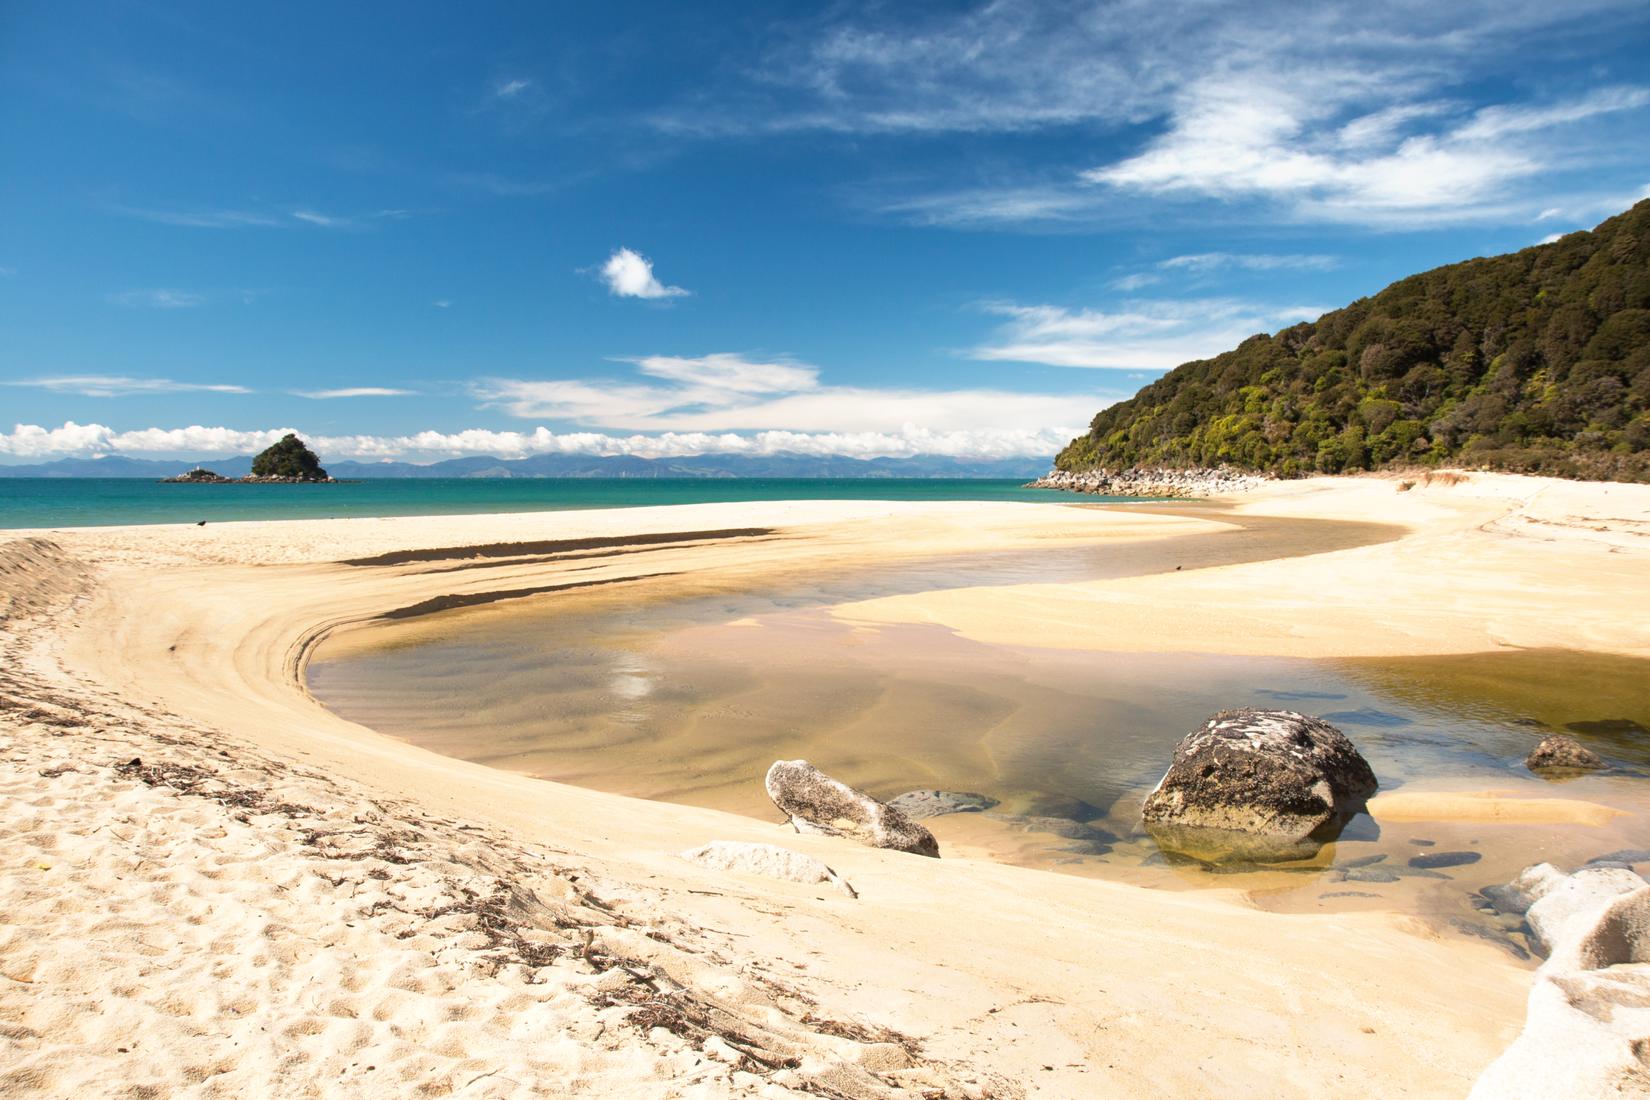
point(920, 804)
point(1561, 752)
point(1588, 1021)
point(816, 803)
point(766, 859)
point(1258, 784)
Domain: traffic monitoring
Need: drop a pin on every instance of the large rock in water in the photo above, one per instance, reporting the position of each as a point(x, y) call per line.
point(1258, 784)
point(920, 804)
point(816, 803)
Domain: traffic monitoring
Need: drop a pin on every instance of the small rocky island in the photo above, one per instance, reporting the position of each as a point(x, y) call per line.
point(288, 462)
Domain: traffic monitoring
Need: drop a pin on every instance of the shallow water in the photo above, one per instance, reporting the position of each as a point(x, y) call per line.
point(101, 502)
point(690, 699)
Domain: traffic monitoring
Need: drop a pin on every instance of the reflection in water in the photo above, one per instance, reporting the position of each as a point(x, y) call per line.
point(690, 700)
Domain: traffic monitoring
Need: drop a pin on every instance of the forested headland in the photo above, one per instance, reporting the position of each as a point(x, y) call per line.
point(1537, 362)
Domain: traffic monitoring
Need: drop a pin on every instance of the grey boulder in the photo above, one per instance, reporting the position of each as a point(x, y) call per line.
point(816, 803)
point(1258, 784)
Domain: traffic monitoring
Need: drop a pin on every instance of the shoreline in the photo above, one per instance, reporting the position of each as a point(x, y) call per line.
point(213, 633)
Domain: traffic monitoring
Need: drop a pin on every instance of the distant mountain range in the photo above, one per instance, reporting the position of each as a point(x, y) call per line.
point(582, 466)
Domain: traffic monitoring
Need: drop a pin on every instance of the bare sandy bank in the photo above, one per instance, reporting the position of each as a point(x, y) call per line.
point(1488, 562)
point(960, 977)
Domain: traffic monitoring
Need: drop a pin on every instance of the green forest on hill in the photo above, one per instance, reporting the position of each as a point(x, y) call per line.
point(1537, 361)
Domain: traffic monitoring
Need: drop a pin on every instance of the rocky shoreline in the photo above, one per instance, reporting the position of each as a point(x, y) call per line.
point(199, 476)
point(1151, 482)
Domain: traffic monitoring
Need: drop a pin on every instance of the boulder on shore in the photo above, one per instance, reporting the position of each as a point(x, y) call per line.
point(816, 803)
point(1561, 752)
point(1589, 1012)
point(1258, 784)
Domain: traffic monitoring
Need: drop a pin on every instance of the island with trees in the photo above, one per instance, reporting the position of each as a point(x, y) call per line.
point(287, 462)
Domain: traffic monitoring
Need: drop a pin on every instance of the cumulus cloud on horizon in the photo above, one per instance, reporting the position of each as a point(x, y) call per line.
point(724, 392)
point(629, 274)
point(34, 443)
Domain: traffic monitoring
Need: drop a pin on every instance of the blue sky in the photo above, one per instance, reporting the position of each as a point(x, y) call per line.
point(423, 230)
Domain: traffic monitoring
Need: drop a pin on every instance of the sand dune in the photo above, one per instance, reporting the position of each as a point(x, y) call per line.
point(275, 899)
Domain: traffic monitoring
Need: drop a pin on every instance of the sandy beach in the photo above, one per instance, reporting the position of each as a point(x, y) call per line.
point(216, 887)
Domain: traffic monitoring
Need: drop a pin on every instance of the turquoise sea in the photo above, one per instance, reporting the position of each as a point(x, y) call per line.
point(103, 502)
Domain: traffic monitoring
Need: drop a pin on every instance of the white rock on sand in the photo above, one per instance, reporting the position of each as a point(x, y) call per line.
point(766, 859)
point(1587, 1029)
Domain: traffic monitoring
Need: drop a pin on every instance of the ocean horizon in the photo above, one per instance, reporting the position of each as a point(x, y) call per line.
point(109, 502)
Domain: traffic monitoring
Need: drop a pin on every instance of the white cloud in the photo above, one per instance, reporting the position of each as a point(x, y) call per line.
point(204, 219)
point(1142, 336)
point(159, 298)
point(325, 221)
point(1215, 261)
point(1137, 281)
point(1015, 65)
point(1272, 138)
point(353, 391)
point(1342, 112)
point(503, 186)
point(107, 385)
point(509, 89)
point(730, 373)
point(442, 303)
point(728, 393)
point(256, 219)
point(629, 274)
point(1550, 238)
point(30, 442)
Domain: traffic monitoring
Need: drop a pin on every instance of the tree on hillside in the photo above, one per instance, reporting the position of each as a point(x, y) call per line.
point(289, 458)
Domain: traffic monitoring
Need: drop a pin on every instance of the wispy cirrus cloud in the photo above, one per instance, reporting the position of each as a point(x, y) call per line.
point(204, 218)
point(113, 385)
point(507, 187)
point(629, 274)
point(354, 391)
point(1140, 335)
point(1202, 262)
point(158, 298)
point(1235, 103)
point(226, 218)
point(1260, 138)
